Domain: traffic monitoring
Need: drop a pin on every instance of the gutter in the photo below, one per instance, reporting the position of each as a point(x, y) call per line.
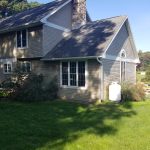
point(101, 76)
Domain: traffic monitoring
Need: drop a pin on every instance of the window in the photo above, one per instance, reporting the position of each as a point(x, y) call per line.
point(123, 68)
point(123, 65)
point(73, 74)
point(26, 67)
point(21, 39)
point(7, 68)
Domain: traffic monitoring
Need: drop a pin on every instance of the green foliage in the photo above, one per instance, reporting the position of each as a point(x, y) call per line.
point(29, 87)
point(145, 61)
point(132, 92)
point(14, 6)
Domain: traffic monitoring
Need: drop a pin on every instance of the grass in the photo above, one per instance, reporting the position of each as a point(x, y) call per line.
point(70, 126)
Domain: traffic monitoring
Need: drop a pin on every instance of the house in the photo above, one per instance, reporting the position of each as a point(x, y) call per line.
point(59, 39)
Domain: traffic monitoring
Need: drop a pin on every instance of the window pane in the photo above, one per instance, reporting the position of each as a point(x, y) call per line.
point(73, 76)
point(18, 39)
point(81, 73)
point(9, 68)
point(64, 73)
point(24, 38)
point(26, 67)
point(122, 71)
point(5, 68)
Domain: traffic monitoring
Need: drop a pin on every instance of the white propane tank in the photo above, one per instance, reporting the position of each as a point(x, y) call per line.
point(115, 92)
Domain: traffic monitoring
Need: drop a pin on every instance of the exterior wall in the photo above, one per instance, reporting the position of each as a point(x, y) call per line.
point(92, 93)
point(122, 41)
point(51, 37)
point(111, 73)
point(2, 75)
point(63, 17)
point(52, 69)
point(35, 43)
point(8, 44)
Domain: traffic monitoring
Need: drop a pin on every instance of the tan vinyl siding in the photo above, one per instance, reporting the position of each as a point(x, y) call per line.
point(92, 93)
point(35, 42)
point(8, 45)
point(52, 69)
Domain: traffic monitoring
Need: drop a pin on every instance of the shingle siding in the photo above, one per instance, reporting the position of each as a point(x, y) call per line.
point(122, 41)
point(111, 73)
point(51, 37)
point(63, 17)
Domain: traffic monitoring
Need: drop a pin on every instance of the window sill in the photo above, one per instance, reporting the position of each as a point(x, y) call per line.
point(73, 87)
point(5, 73)
point(21, 48)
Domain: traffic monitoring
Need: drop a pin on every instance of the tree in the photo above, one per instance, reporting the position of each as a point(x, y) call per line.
point(9, 7)
point(145, 61)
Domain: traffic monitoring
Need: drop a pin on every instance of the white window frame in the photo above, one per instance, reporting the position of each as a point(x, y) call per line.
point(21, 39)
point(7, 63)
point(122, 59)
point(25, 62)
point(74, 87)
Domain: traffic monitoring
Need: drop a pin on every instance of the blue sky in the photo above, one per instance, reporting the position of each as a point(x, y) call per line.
point(138, 12)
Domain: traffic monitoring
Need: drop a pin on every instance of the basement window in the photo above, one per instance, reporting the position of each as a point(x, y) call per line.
point(7, 68)
point(22, 39)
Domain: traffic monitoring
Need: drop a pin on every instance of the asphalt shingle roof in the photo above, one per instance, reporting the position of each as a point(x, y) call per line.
point(30, 16)
point(90, 40)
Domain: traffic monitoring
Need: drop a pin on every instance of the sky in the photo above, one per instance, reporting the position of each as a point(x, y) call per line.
point(138, 12)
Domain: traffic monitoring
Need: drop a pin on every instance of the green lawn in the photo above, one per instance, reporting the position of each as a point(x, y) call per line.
point(70, 126)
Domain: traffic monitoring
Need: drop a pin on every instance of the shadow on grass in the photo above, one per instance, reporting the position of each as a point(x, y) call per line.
point(52, 125)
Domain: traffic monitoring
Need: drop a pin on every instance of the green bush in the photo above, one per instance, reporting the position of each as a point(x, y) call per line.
point(132, 92)
point(30, 87)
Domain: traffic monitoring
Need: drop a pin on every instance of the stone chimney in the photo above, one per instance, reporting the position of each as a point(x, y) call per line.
point(79, 13)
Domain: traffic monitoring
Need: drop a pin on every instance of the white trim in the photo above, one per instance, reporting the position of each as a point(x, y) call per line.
point(101, 77)
point(114, 36)
point(7, 63)
point(112, 57)
point(50, 24)
point(3, 60)
point(70, 58)
point(74, 87)
point(53, 12)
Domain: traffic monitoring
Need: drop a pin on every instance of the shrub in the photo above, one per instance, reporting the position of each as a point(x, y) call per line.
point(30, 87)
point(132, 92)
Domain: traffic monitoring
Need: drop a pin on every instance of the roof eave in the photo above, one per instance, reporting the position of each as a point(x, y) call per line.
point(20, 27)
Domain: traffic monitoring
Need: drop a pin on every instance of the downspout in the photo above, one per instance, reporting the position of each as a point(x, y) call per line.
point(99, 59)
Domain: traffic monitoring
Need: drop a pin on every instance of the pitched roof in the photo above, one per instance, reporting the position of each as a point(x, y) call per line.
point(90, 40)
point(30, 16)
